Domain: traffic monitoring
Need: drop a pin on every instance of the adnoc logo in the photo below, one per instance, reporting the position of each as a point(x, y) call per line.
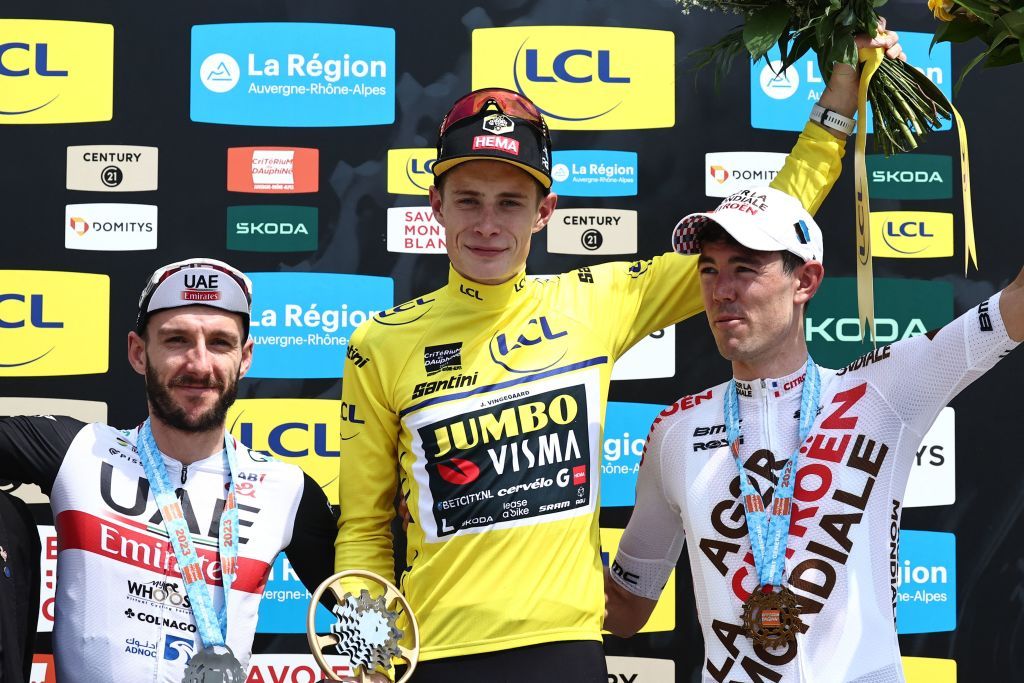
point(56, 71)
point(594, 173)
point(911, 234)
point(625, 433)
point(293, 74)
point(583, 77)
point(925, 575)
point(53, 323)
point(411, 170)
point(301, 322)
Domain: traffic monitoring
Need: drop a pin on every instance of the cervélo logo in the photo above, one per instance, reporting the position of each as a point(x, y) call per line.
point(414, 230)
point(583, 77)
point(272, 228)
point(112, 168)
point(911, 234)
point(910, 176)
point(594, 173)
point(410, 170)
point(273, 170)
point(903, 308)
point(56, 71)
point(625, 432)
point(780, 101)
point(726, 173)
point(592, 231)
point(933, 476)
point(293, 74)
point(53, 323)
point(925, 575)
point(301, 322)
point(110, 227)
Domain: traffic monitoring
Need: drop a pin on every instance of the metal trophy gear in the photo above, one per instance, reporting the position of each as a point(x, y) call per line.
point(366, 630)
point(772, 619)
point(216, 664)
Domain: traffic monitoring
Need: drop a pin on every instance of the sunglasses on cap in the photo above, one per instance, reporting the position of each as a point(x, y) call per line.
point(508, 102)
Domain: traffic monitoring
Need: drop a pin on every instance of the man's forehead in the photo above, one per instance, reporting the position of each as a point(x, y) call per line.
point(195, 317)
point(723, 251)
point(477, 171)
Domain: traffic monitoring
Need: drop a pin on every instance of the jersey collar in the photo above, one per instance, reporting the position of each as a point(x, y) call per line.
point(770, 389)
point(488, 297)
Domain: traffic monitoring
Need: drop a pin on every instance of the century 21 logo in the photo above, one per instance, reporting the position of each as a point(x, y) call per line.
point(911, 234)
point(583, 77)
point(55, 71)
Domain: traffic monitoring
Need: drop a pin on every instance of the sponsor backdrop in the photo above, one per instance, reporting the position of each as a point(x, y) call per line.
point(296, 140)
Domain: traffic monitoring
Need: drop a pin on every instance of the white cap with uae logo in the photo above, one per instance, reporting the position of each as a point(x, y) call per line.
point(762, 219)
point(198, 281)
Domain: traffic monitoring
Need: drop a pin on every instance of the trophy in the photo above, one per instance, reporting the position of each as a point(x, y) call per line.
point(366, 629)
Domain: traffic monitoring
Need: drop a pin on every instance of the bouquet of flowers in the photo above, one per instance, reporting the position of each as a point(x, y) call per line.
point(999, 23)
point(905, 103)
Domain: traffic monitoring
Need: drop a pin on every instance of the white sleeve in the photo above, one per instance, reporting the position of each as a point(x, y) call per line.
point(653, 539)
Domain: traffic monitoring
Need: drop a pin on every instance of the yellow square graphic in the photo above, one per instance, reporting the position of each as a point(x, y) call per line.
point(911, 234)
point(56, 71)
point(53, 323)
point(409, 170)
point(664, 616)
point(583, 77)
point(928, 670)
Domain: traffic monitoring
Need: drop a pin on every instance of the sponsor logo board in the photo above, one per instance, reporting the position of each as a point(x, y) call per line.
point(625, 432)
point(47, 578)
point(43, 670)
point(911, 234)
point(653, 356)
point(663, 618)
point(110, 227)
point(292, 74)
point(285, 602)
point(272, 228)
point(56, 71)
point(910, 176)
point(640, 670)
point(410, 170)
point(583, 77)
point(929, 670)
point(594, 173)
point(112, 168)
point(592, 231)
point(53, 323)
point(780, 101)
point(301, 322)
point(933, 476)
point(273, 170)
point(903, 308)
point(726, 173)
point(926, 577)
point(414, 230)
point(294, 668)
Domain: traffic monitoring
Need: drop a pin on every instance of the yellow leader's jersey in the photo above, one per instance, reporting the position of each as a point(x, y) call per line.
point(492, 398)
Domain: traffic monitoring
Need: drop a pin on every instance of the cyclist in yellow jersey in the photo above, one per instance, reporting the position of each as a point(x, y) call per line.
point(484, 401)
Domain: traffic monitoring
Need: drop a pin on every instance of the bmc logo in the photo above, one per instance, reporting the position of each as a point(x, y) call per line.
point(300, 431)
point(53, 323)
point(583, 77)
point(56, 71)
point(273, 170)
point(911, 234)
point(411, 170)
point(663, 618)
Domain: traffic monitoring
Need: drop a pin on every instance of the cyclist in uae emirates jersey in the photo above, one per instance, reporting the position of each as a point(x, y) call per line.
point(483, 402)
point(122, 612)
point(758, 268)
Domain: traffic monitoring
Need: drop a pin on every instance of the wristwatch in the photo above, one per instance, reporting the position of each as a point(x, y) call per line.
point(831, 119)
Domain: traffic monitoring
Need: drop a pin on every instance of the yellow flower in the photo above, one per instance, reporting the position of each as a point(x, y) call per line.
point(942, 9)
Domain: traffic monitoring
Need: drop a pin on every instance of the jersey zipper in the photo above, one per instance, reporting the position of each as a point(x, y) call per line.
point(184, 474)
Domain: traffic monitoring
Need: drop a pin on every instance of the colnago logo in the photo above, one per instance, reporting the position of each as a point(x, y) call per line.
point(910, 176)
point(903, 308)
point(110, 227)
point(293, 74)
point(301, 322)
point(112, 168)
point(273, 170)
point(663, 618)
point(933, 477)
point(583, 77)
point(781, 101)
point(911, 234)
point(53, 323)
point(410, 170)
point(272, 228)
point(594, 173)
point(926, 581)
point(640, 670)
point(599, 232)
point(284, 604)
point(55, 71)
point(651, 357)
point(730, 172)
point(626, 427)
point(414, 230)
point(929, 670)
point(303, 432)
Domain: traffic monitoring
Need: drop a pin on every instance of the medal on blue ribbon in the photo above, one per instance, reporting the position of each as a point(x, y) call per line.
point(216, 663)
point(771, 615)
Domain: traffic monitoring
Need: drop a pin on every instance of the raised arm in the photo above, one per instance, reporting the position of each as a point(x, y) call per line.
point(33, 448)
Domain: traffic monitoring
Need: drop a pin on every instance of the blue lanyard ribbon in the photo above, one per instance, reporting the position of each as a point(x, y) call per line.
point(769, 533)
point(212, 625)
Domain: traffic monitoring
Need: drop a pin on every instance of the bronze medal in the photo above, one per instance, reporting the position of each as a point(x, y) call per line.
point(772, 619)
